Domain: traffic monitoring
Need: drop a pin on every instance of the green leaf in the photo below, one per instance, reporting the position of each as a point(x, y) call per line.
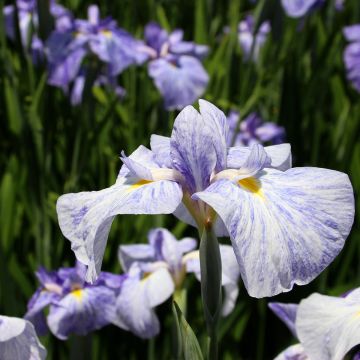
point(186, 338)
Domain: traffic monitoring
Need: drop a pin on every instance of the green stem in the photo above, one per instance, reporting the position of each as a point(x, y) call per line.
point(210, 266)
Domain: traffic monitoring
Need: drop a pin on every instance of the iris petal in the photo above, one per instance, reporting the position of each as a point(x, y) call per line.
point(328, 327)
point(291, 232)
point(85, 218)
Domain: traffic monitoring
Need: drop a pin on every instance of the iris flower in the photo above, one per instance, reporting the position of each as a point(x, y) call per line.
point(252, 130)
point(175, 66)
point(18, 340)
point(28, 24)
point(352, 55)
point(327, 327)
point(156, 270)
point(75, 307)
point(250, 42)
point(103, 40)
point(286, 224)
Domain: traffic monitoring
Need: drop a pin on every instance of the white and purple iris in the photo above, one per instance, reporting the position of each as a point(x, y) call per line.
point(286, 224)
point(18, 340)
point(75, 307)
point(28, 24)
point(156, 270)
point(175, 66)
point(250, 42)
point(252, 130)
point(352, 55)
point(112, 47)
point(327, 327)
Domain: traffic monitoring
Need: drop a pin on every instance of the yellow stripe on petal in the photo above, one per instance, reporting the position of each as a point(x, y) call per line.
point(139, 184)
point(78, 293)
point(253, 185)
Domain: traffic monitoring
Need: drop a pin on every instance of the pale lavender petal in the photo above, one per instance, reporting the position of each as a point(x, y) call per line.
point(230, 278)
point(18, 340)
point(352, 33)
point(139, 296)
point(287, 313)
point(328, 327)
point(297, 8)
point(85, 218)
point(82, 311)
point(280, 156)
point(77, 90)
point(160, 145)
point(180, 83)
point(286, 227)
point(128, 254)
point(293, 352)
point(192, 150)
point(216, 120)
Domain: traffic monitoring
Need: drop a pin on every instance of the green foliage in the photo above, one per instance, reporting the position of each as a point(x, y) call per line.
point(48, 147)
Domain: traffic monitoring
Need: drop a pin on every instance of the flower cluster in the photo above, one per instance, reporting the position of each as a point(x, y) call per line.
point(252, 130)
point(193, 174)
point(95, 51)
point(326, 326)
point(152, 273)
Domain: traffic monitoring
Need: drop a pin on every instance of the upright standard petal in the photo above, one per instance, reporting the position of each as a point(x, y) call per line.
point(329, 327)
point(192, 151)
point(216, 120)
point(181, 82)
point(82, 311)
point(287, 313)
point(85, 218)
point(18, 340)
point(280, 156)
point(286, 227)
point(139, 296)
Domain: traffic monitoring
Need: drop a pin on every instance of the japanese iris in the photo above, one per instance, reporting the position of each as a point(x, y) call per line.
point(75, 307)
point(286, 224)
point(158, 269)
point(328, 327)
point(175, 66)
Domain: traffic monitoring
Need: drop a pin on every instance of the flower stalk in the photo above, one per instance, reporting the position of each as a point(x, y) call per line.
point(210, 266)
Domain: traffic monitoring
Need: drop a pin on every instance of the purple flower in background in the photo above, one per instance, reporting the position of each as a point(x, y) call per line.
point(327, 327)
point(75, 307)
point(250, 42)
point(175, 66)
point(252, 130)
point(18, 340)
point(176, 258)
point(113, 47)
point(299, 8)
point(28, 24)
point(286, 224)
point(352, 55)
